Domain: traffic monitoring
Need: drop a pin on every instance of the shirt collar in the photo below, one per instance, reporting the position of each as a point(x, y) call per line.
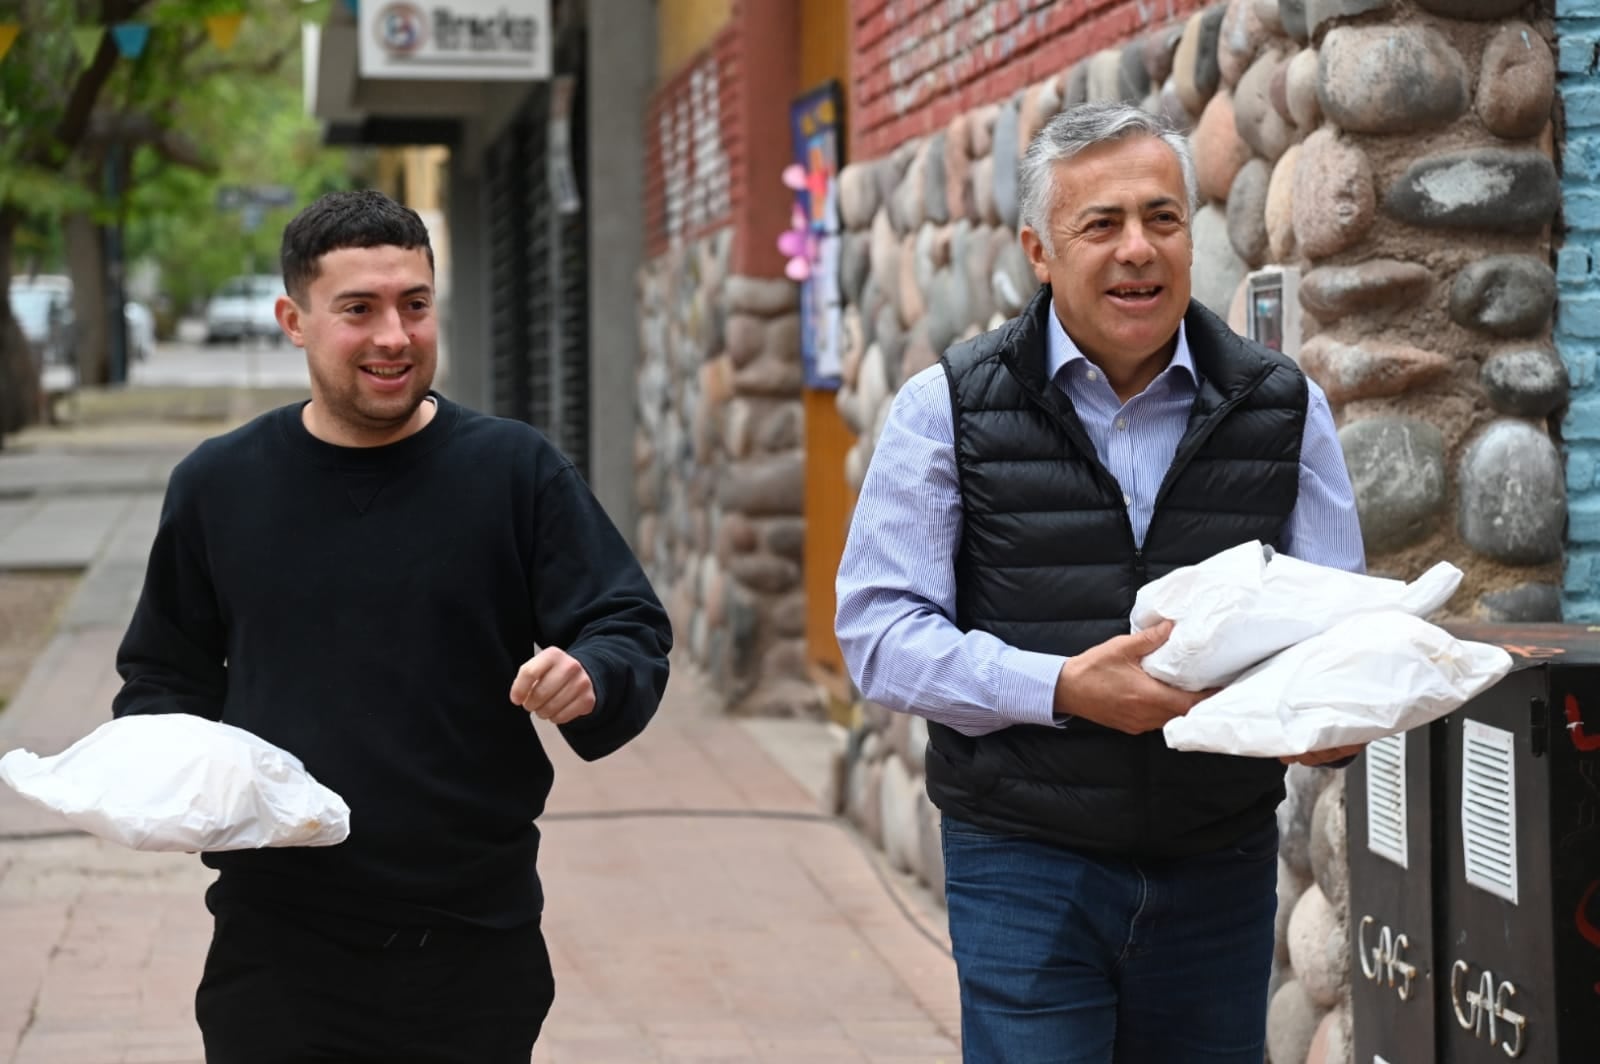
point(1063, 352)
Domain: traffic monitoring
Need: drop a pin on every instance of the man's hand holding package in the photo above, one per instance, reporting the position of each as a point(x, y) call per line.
point(1326, 757)
point(552, 685)
point(1107, 685)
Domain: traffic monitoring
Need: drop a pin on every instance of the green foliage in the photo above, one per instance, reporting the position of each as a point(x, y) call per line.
point(37, 79)
point(242, 110)
point(256, 132)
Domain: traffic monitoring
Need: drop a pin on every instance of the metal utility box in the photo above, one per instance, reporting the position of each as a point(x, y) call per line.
point(1272, 308)
point(1390, 820)
point(1509, 786)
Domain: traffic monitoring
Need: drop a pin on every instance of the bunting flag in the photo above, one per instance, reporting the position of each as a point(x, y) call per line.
point(86, 39)
point(224, 29)
point(130, 38)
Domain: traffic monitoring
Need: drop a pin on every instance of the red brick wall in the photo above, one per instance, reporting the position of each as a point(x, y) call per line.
point(769, 48)
point(694, 172)
point(716, 158)
point(916, 64)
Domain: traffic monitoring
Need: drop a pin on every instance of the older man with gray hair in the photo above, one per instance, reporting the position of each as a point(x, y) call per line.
point(1109, 898)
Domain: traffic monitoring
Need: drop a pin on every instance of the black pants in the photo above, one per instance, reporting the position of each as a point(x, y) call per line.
point(296, 988)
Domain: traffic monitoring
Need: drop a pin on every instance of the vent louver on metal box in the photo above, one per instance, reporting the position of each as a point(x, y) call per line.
point(1386, 799)
point(1489, 809)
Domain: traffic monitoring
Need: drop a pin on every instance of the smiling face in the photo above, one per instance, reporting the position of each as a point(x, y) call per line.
point(1120, 252)
point(367, 323)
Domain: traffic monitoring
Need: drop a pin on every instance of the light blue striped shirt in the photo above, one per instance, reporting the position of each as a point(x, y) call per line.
point(896, 584)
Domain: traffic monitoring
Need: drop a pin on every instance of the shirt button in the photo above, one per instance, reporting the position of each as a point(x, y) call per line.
point(1093, 375)
point(1127, 500)
point(1122, 423)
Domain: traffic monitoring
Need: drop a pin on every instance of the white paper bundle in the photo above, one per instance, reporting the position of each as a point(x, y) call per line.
point(175, 781)
point(1240, 607)
point(1373, 675)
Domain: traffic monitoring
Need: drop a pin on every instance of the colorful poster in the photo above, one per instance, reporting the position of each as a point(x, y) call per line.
point(817, 123)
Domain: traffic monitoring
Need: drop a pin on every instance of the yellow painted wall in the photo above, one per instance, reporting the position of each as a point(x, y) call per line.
point(825, 45)
point(683, 27)
point(825, 55)
point(413, 175)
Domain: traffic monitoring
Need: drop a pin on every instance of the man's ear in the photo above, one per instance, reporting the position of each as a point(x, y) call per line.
point(288, 315)
point(1033, 247)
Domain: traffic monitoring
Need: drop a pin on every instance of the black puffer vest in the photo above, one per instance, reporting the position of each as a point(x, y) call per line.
point(1047, 563)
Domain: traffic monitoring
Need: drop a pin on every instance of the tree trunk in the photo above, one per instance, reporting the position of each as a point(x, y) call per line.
point(86, 248)
point(19, 377)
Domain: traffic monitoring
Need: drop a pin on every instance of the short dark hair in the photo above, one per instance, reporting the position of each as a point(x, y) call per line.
point(360, 219)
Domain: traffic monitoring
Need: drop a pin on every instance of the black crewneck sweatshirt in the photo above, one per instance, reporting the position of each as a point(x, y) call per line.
point(367, 609)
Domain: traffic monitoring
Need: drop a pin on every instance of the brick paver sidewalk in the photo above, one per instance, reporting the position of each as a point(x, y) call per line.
point(712, 935)
point(723, 938)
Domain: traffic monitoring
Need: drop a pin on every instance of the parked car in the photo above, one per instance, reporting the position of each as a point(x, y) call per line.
point(42, 305)
point(245, 308)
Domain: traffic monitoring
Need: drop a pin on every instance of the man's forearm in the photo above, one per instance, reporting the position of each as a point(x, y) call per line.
point(920, 663)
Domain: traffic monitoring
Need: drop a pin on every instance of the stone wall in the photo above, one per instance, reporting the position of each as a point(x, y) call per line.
point(1578, 305)
point(915, 64)
point(1400, 157)
point(719, 470)
point(1421, 211)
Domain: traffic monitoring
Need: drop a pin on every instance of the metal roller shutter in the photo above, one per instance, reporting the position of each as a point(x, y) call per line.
point(508, 271)
point(539, 272)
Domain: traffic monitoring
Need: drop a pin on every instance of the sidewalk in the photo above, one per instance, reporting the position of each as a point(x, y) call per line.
point(697, 908)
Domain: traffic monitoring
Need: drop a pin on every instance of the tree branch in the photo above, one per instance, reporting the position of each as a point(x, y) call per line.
point(86, 91)
point(194, 44)
point(262, 67)
point(133, 127)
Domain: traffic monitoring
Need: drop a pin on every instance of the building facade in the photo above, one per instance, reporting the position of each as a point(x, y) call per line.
point(742, 509)
point(1409, 185)
point(535, 184)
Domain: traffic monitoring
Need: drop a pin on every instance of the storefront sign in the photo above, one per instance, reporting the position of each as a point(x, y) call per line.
point(455, 40)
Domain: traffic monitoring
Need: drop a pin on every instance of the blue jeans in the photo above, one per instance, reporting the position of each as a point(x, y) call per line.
point(1072, 958)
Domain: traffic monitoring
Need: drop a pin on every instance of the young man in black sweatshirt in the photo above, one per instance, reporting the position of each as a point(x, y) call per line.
point(363, 580)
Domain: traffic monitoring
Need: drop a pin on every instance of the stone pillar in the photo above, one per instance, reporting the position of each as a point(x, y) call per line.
point(1403, 163)
point(1308, 1013)
point(719, 451)
point(759, 533)
point(1422, 209)
point(719, 469)
point(684, 383)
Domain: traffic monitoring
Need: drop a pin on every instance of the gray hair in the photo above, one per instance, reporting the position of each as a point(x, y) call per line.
point(1077, 129)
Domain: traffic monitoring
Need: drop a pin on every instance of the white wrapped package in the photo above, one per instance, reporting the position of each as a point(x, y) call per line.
point(175, 781)
point(1367, 677)
point(1238, 608)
